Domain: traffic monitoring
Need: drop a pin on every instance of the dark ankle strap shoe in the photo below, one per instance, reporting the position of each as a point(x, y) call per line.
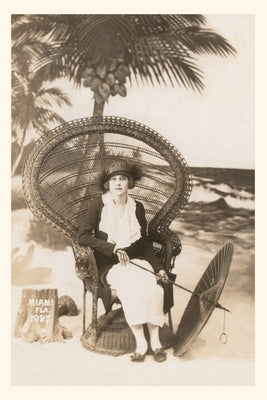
point(160, 355)
point(138, 357)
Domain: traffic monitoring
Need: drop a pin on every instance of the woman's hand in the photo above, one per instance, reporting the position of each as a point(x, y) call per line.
point(162, 276)
point(123, 257)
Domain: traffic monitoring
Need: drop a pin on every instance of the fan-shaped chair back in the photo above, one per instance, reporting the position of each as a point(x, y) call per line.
point(60, 173)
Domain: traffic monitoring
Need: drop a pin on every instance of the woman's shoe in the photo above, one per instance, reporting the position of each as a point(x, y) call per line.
point(160, 355)
point(138, 357)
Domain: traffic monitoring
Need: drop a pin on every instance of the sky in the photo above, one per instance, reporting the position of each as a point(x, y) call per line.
point(214, 128)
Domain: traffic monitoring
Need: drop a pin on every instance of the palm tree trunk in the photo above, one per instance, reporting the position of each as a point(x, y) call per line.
point(98, 112)
point(98, 109)
point(18, 158)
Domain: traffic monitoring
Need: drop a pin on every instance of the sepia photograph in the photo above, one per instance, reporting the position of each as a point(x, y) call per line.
point(132, 199)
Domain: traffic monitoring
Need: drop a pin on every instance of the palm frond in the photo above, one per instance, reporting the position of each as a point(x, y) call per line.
point(51, 96)
point(166, 58)
point(57, 26)
point(196, 19)
point(44, 116)
point(155, 47)
point(200, 41)
point(31, 48)
point(104, 37)
point(157, 24)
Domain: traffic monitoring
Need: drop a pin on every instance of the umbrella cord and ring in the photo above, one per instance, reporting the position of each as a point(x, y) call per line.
point(223, 336)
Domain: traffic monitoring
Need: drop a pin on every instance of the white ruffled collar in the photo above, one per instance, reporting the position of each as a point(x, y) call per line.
point(121, 230)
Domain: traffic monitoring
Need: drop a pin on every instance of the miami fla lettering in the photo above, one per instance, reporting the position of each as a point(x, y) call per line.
point(41, 302)
point(41, 305)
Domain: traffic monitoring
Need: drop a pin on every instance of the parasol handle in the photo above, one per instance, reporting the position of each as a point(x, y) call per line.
point(222, 308)
point(217, 305)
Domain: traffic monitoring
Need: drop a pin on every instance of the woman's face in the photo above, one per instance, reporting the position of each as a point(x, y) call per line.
point(118, 185)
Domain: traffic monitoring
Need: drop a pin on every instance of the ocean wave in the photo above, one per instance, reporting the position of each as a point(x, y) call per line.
point(233, 197)
point(240, 203)
point(223, 189)
point(201, 179)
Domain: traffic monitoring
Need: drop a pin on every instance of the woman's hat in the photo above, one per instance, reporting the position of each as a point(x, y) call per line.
point(120, 167)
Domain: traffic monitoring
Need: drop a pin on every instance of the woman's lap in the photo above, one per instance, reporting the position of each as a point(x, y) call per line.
point(140, 295)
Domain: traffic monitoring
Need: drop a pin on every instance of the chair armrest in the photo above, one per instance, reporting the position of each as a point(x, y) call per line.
point(85, 264)
point(171, 246)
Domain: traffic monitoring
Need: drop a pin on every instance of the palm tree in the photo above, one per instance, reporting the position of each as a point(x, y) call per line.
point(31, 100)
point(103, 51)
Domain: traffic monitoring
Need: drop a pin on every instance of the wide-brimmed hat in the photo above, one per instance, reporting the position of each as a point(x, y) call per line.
point(120, 167)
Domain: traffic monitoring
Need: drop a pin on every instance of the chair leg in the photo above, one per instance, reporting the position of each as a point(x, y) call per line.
point(84, 307)
point(94, 315)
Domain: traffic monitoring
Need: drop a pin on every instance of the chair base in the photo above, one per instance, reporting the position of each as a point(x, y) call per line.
point(114, 337)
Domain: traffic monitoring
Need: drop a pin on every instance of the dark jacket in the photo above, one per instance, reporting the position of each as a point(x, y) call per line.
point(90, 235)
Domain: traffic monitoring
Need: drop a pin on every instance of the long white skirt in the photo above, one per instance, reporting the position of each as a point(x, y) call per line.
point(139, 293)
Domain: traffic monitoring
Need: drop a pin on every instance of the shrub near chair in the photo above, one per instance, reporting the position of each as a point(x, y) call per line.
point(60, 177)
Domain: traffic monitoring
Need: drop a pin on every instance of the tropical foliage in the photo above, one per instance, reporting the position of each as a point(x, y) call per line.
point(32, 101)
point(103, 51)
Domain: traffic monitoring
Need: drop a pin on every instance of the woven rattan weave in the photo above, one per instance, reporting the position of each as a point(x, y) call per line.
point(60, 177)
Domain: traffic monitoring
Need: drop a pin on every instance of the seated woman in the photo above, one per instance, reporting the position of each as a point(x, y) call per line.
point(115, 227)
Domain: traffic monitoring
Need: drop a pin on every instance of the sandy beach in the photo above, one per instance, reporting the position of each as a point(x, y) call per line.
point(208, 363)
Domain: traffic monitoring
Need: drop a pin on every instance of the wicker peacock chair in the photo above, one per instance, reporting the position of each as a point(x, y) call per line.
point(59, 178)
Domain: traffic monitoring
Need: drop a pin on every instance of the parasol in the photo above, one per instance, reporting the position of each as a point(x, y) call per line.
point(203, 300)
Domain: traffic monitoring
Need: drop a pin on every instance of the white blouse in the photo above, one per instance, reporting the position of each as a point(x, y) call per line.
point(121, 230)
